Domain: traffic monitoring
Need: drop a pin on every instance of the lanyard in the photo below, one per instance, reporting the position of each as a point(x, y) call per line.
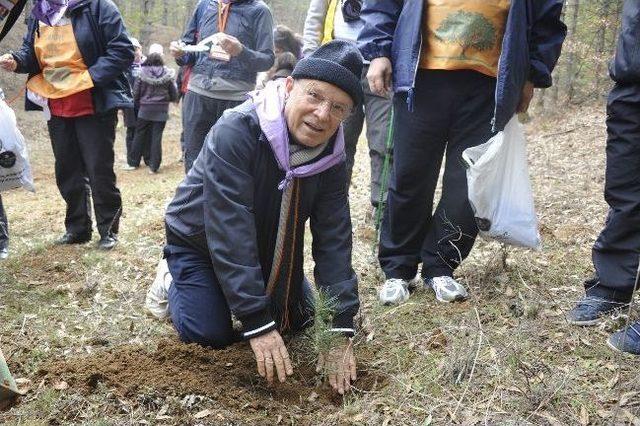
point(223, 14)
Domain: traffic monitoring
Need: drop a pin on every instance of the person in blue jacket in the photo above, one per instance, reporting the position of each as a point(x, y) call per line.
point(459, 72)
point(616, 252)
point(244, 44)
point(76, 53)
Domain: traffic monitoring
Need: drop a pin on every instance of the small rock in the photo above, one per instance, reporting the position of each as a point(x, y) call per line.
point(62, 385)
point(202, 414)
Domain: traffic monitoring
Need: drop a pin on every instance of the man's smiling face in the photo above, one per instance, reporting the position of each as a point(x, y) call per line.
point(314, 110)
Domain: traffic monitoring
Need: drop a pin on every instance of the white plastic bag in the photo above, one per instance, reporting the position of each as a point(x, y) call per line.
point(15, 171)
point(500, 190)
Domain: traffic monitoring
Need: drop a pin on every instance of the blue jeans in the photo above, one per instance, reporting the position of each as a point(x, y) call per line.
point(198, 307)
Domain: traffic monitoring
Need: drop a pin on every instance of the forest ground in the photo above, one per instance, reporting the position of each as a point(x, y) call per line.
point(73, 328)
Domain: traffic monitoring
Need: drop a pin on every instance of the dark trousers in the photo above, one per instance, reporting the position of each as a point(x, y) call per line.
point(452, 111)
point(375, 111)
point(83, 152)
point(198, 307)
point(4, 227)
point(199, 114)
point(617, 249)
point(131, 134)
point(148, 143)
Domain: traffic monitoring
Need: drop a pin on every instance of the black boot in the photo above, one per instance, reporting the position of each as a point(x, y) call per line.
point(69, 238)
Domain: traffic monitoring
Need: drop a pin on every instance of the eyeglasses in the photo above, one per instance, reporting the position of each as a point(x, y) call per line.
point(315, 97)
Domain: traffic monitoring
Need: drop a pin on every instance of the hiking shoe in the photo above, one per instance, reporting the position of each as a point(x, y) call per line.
point(447, 289)
point(69, 238)
point(4, 253)
point(590, 310)
point(627, 340)
point(394, 291)
point(157, 300)
point(108, 242)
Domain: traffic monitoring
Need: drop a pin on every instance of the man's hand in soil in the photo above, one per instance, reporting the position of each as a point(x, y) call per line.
point(270, 352)
point(339, 364)
point(230, 44)
point(7, 62)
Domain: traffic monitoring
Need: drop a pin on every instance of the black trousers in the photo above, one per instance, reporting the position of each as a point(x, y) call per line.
point(616, 252)
point(199, 114)
point(4, 226)
point(452, 111)
point(148, 143)
point(83, 151)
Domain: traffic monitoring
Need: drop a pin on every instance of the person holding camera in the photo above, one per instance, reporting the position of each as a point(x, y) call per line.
point(240, 35)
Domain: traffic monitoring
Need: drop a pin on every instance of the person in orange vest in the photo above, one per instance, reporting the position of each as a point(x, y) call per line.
point(340, 19)
point(76, 53)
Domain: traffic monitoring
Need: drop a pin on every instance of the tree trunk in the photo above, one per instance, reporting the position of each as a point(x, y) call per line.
point(165, 12)
point(145, 31)
point(557, 74)
point(571, 57)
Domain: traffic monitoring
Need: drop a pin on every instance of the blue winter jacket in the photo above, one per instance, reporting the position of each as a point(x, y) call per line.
point(531, 46)
point(250, 22)
point(105, 47)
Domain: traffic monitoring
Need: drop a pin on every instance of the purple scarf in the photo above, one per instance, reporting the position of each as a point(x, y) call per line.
point(269, 103)
point(46, 10)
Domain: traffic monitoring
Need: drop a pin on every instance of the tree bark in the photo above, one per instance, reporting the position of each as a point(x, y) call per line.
point(571, 57)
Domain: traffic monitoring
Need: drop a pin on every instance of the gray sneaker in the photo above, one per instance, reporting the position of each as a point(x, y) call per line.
point(394, 291)
point(447, 289)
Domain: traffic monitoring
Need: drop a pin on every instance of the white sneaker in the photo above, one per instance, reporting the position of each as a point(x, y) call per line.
point(394, 291)
point(447, 289)
point(157, 301)
point(128, 168)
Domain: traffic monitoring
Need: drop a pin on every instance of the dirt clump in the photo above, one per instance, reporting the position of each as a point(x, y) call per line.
point(227, 376)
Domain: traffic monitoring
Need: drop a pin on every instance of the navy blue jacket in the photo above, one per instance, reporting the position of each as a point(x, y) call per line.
point(625, 68)
point(105, 47)
point(228, 208)
point(250, 22)
point(530, 49)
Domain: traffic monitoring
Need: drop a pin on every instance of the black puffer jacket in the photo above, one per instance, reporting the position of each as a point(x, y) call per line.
point(625, 67)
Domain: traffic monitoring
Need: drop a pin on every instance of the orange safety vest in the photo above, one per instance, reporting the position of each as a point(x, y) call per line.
point(64, 72)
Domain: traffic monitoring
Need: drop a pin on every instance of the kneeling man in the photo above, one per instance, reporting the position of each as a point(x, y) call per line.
point(236, 225)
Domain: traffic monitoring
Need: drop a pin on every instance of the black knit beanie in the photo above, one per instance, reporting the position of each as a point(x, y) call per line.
point(337, 62)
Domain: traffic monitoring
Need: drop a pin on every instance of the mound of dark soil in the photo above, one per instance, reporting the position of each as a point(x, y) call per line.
point(228, 376)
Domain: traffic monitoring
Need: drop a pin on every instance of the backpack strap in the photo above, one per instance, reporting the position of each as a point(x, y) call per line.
point(12, 18)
